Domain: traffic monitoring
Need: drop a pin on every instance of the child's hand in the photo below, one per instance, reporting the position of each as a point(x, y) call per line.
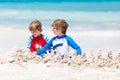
point(79, 56)
point(35, 53)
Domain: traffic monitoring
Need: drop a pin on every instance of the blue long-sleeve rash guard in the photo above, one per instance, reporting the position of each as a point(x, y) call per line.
point(61, 45)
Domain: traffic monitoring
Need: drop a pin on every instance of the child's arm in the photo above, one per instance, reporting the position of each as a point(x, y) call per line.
point(45, 48)
point(46, 38)
point(29, 41)
point(73, 44)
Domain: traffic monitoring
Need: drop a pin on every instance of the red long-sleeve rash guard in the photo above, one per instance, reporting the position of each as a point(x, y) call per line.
point(37, 42)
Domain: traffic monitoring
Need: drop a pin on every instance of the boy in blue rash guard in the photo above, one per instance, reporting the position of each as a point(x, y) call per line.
point(61, 42)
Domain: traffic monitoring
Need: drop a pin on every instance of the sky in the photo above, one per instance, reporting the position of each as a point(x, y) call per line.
point(58, 0)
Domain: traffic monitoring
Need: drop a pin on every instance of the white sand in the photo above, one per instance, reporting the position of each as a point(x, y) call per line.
point(19, 64)
point(40, 72)
point(15, 69)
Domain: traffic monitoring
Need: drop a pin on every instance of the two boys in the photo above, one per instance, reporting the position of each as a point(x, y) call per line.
point(60, 43)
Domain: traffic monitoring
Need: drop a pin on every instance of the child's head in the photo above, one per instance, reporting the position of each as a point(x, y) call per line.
point(60, 25)
point(35, 27)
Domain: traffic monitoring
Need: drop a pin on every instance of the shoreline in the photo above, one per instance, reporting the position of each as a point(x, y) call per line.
point(88, 40)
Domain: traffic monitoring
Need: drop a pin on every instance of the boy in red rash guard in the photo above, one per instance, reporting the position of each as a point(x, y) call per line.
point(37, 43)
point(37, 40)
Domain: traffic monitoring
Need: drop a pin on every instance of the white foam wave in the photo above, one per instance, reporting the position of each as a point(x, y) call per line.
point(71, 15)
point(96, 33)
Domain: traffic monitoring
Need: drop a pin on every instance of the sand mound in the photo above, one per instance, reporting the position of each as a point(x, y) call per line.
point(20, 57)
point(23, 57)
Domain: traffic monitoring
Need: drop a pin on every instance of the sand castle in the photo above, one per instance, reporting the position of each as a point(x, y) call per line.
point(23, 56)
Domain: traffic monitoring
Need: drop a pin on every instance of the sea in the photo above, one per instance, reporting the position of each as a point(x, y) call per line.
point(86, 15)
point(91, 24)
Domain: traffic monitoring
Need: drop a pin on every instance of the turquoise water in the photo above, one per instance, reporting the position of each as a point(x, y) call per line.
point(62, 6)
point(57, 0)
point(93, 24)
point(87, 15)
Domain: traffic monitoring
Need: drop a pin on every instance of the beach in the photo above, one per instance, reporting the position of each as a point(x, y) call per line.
point(20, 64)
point(95, 27)
point(88, 40)
point(16, 68)
point(46, 73)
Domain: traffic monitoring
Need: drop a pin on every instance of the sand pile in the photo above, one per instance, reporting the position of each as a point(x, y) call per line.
point(94, 60)
point(20, 57)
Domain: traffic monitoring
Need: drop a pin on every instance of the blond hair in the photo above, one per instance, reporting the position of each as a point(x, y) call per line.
point(35, 25)
point(60, 24)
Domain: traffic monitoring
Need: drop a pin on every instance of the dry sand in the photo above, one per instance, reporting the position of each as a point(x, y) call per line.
point(20, 64)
